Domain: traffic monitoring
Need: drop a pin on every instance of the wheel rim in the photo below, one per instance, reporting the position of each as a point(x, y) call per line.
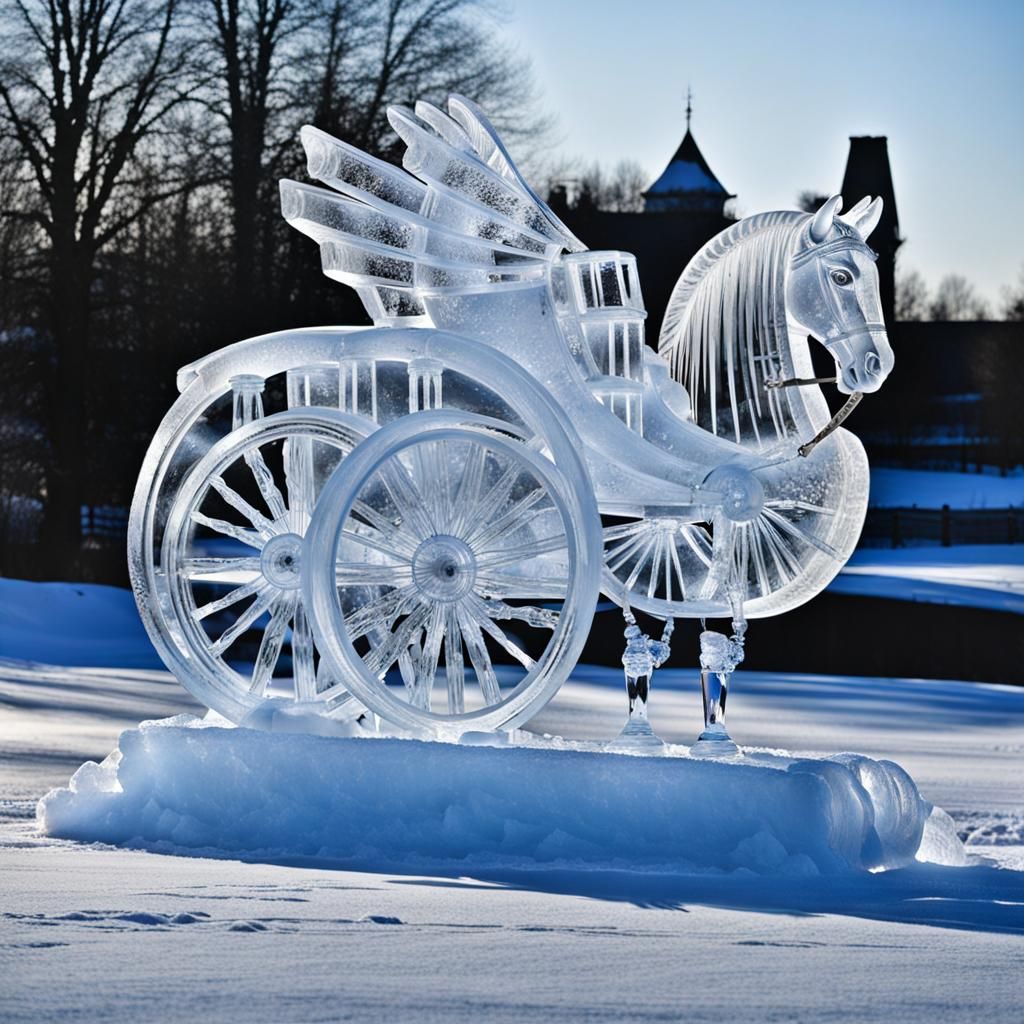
point(233, 559)
point(474, 542)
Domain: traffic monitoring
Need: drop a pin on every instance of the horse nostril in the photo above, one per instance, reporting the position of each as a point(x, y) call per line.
point(872, 365)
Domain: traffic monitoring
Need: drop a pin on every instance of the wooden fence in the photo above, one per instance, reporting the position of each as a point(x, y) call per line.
point(897, 527)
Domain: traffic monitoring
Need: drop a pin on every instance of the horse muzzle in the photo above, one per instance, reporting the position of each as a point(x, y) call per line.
point(869, 361)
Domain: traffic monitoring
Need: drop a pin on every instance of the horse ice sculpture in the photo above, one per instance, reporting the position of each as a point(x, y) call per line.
point(423, 530)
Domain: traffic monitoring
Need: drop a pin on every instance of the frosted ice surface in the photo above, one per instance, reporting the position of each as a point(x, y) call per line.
point(180, 784)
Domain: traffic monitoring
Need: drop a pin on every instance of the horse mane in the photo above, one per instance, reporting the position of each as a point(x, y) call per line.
point(725, 331)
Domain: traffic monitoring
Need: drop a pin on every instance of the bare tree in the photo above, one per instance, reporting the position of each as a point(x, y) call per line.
point(84, 86)
point(1013, 300)
point(255, 47)
point(364, 55)
point(578, 186)
point(911, 296)
point(956, 299)
point(338, 63)
point(810, 201)
point(624, 188)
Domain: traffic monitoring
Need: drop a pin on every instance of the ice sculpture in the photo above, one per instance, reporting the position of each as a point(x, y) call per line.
point(422, 524)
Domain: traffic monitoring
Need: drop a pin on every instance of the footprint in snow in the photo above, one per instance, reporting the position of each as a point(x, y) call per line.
point(248, 926)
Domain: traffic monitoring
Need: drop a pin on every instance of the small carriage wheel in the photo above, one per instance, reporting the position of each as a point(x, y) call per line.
point(777, 536)
point(232, 553)
point(475, 549)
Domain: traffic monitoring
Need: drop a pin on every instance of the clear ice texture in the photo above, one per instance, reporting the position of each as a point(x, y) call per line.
point(417, 519)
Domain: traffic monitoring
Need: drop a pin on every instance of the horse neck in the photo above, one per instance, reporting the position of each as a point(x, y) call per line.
point(736, 336)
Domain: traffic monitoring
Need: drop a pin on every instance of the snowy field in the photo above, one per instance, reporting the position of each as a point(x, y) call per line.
point(904, 488)
point(96, 932)
point(969, 575)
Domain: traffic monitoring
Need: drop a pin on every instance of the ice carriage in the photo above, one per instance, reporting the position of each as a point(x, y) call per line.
point(418, 519)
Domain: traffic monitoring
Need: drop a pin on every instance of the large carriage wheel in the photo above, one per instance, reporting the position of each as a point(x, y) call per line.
point(481, 568)
point(232, 552)
point(774, 538)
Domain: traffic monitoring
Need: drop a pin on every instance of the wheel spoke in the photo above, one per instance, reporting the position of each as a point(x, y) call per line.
point(483, 619)
point(454, 668)
point(623, 530)
point(264, 599)
point(492, 501)
point(479, 658)
point(369, 541)
point(496, 583)
point(426, 666)
point(427, 470)
point(623, 552)
point(265, 481)
point(760, 569)
point(780, 557)
point(407, 499)
point(789, 504)
point(248, 537)
point(369, 574)
point(638, 565)
point(340, 705)
point(542, 618)
point(659, 551)
point(523, 552)
point(270, 645)
point(674, 554)
point(209, 569)
point(302, 655)
point(382, 657)
point(469, 487)
point(782, 523)
point(259, 521)
point(698, 543)
point(514, 519)
point(379, 613)
point(230, 598)
point(392, 534)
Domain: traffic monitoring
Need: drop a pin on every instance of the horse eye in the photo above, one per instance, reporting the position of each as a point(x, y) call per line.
point(841, 277)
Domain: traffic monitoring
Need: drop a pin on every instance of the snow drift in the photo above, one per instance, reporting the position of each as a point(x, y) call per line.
point(183, 785)
point(98, 625)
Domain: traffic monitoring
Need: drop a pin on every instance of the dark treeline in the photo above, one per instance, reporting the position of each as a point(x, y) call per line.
point(141, 142)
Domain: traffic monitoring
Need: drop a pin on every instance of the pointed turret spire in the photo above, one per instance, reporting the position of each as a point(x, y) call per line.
point(687, 184)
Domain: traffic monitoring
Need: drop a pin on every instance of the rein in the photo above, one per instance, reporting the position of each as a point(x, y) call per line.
point(851, 403)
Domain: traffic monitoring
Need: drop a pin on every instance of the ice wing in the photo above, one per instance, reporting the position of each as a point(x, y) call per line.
point(458, 216)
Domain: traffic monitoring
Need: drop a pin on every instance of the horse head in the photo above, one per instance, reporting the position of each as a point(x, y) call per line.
point(832, 292)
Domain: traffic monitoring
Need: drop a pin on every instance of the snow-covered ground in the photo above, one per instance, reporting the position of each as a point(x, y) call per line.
point(971, 575)
point(96, 932)
point(904, 488)
point(73, 624)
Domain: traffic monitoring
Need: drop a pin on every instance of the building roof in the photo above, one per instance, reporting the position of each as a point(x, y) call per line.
point(688, 172)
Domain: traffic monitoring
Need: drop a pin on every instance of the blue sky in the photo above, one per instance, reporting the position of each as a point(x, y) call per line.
point(778, 89)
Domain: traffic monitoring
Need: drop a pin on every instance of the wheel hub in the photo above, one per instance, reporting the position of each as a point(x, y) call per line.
point(742, 496)
point(281, 561)
point(444, 568)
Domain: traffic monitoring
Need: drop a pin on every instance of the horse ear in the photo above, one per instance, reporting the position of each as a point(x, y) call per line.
point(856, 210)
point(868, 220)
point(822, 223)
